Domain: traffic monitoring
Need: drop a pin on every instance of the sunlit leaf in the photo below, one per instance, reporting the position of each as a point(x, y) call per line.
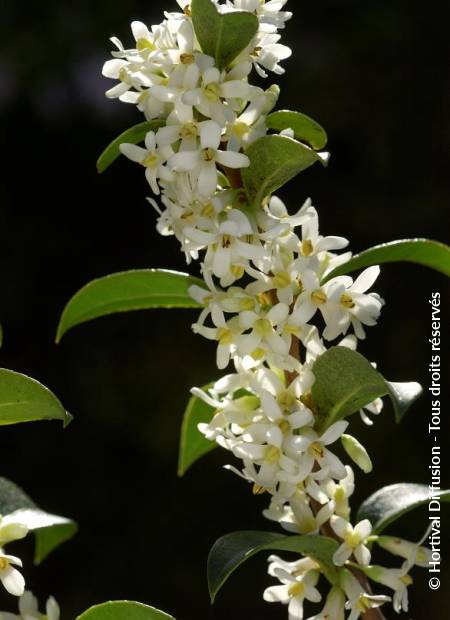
point(50, 530)
point(275, 160)
point(133, 135)
point(123, 610)
point(129, 290)
point(222, 36)
point(23, 399)
point(345, 381)
point(305, 128)
point(390, 503)
point(231, 550)
point(425, 252)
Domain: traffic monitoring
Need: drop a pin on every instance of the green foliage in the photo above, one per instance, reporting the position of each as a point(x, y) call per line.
point(346, 381)
point(392, 502)
point(139, 289)
point(274, 160)
point(133, 135)
point(123, 610)
point(225, 36)
point(425, 252)
point(23, 399)
point(50, 530)
point(231, 550)
point(305, 128)
point(194, 445)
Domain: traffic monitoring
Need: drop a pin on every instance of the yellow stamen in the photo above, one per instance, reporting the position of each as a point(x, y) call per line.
point(307, 247)
point(282, 280)
point(144, 44)
point(187, 59)
point(272, 454)
point(238, 271)
point(319, 297)
point(3, 563)
point(212, 92)
point(225, 336)
point(189, 130)
point(208, 154)
point(240, 129)
point(151, 161)
point(347, 301)
point(296, 589)
point(316, 449)
point(207, 210)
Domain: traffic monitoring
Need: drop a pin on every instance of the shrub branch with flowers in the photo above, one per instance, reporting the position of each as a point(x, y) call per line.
point(277, 299)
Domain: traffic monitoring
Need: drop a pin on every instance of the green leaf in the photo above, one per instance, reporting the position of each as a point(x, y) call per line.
point(305, 128)
point(139, 289)
point(274, 160)
point(225, 36)
point(433, 254)
point(123, 610)
point(23, 399)
point(345, 381)
point(50, 530)
point(231, 550)
point(194, 445)
point(392, 502)
point(133, 135)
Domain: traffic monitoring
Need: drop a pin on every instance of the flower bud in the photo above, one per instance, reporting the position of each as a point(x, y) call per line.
point(357, 453)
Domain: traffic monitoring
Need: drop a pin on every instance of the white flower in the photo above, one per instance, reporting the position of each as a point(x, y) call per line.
point(355, 540)
point(312, 243)
point(12, 580)
point(152, 158)
point(311, 448)
point(214, 98)
point(203, 161)
point(395, 578)
point(268, 53)
point(334, 606)
point(29, 610)
point(359, 601)
point(294, 591)
point(262, 332)
point(340, 493)
point(297, 516)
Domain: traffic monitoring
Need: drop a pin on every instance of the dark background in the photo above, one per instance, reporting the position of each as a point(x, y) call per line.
point(374, 74)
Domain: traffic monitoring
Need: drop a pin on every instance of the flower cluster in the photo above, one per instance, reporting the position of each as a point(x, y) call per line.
point(207, 117)
point(268, 302)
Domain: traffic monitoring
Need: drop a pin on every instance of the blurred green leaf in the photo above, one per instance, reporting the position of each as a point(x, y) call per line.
point(275, 160)
point(23, 399)
point(50, 530)
point(133, 135)
point(433, 254)
point(139, 289)
point(225, 36)
point(345, 381)
point(390, 503)
point(123, 610)
point(231, 550)
point(305, 128)
point(194, 445)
